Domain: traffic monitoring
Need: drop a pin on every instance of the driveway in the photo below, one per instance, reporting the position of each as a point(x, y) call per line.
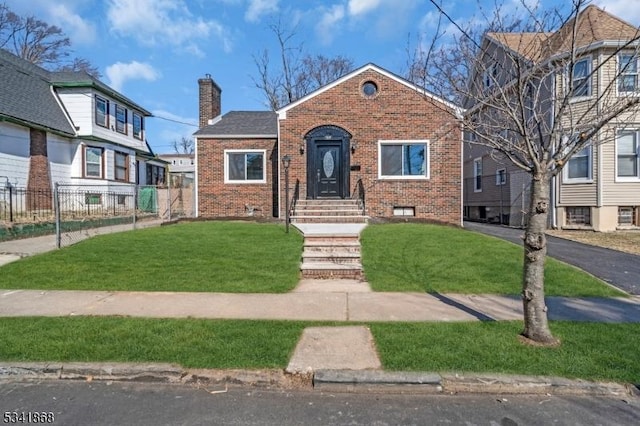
point(614, 267)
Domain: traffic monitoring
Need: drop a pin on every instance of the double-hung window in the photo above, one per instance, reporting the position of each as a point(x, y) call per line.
point(627, 73)
point(403, 159)
point(245, 166)
point(121, 166)
point(92, 162)
point(578, 167)
point(102, 112)
point(477, 175)
point(627, 155)
point(121, 119)
point(501, 177)
point(581, 78)
point(137, 126)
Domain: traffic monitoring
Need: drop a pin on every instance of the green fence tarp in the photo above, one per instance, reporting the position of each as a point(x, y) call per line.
point(148, 200)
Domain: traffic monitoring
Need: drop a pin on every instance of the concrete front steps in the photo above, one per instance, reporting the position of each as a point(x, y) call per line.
point(328, 211)
point(331, 256)
point(331, 230)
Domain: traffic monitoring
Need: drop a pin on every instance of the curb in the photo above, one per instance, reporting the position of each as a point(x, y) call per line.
point(366, 381)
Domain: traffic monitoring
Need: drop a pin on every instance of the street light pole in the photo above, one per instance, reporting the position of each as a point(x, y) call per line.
point(286, 160)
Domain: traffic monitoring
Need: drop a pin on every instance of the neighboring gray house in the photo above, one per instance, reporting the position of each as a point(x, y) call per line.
point(599, 187)
point(181, 168)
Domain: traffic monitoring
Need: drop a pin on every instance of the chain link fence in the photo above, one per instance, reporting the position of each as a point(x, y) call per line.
point(501, 198)
point(76, 212)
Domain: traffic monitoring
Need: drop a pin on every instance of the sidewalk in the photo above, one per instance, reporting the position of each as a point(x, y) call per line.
point(340, 301)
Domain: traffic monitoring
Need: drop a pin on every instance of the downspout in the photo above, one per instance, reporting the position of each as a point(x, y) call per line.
point(554, 179)
point(599, 150)
point(195, 178)
point(462, 175)
point(279, 174)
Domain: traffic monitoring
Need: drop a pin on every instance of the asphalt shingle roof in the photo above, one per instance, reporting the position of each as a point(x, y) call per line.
point(243, 123)
point(25, 95)
point(594, 25)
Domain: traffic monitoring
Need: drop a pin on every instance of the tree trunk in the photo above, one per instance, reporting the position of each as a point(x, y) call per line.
point(536, 326)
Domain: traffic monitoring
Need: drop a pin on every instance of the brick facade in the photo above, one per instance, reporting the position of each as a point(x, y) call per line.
point(219, 199)
point(396, 112)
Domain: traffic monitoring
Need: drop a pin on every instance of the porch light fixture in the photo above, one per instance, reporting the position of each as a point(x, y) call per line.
point(354, 146)
point(286, 161)
point(301, 148)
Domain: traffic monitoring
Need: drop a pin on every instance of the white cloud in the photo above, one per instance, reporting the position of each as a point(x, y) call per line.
point(258, 8)
point(156, 22)
point(119, 73)
point(360, 7)
point(325, 29)
point(78, 29)
point(622, 9)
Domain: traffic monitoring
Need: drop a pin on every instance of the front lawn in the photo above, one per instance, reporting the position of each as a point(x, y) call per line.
point(432, 258)
point(200, 256)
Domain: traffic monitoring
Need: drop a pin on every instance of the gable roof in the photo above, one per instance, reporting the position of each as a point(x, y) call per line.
point(369, 67)
point(26, 96)
point(594, 25)
point(247, 124)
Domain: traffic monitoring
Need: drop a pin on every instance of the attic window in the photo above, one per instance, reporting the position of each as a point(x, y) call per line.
point(369, 89)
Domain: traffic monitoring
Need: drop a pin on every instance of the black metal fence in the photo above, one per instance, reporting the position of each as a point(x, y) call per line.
point(67, 209)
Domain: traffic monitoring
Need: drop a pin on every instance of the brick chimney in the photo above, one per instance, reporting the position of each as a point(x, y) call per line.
point(209, 100)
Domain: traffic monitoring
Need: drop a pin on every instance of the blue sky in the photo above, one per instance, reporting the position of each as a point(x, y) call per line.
point(154, 51)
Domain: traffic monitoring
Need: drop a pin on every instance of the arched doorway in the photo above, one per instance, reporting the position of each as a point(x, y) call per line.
point(328, 159)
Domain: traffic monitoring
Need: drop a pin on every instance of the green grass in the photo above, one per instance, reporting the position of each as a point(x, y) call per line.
point(201, 256)
point(189, 342)
point(432, 258)
point(592, 351)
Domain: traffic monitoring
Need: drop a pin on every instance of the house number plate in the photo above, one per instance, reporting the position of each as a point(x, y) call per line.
point(328, 164)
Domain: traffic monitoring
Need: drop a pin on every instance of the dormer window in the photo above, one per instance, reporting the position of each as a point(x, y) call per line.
point(102, 112)
point(137, 126)
point(627, 73)
point(121, 119)
point(581, 78)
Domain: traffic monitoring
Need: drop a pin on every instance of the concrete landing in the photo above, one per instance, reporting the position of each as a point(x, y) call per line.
point(332, 286)
point(347, 348)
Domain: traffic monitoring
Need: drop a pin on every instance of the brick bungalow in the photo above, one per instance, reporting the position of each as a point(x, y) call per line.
point(369, 134)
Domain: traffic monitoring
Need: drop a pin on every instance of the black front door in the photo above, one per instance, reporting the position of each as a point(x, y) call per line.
point(328, 170)
point(328, 158)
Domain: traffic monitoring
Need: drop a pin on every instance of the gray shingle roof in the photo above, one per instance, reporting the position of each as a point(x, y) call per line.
point(243, 123)
point(25, 95)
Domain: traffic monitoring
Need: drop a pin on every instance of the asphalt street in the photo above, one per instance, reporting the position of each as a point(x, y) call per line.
point(84, 403)
point(617, 268)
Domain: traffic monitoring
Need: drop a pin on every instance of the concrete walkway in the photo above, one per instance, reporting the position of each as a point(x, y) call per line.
point(322, 300)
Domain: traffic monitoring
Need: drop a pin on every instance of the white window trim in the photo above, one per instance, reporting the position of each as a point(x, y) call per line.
point(489, 76)
point(475, 174)
point(501, 179)
point(589, 60)
point(245, 151)
point(588, 179)
point(635, 92)
point(635, 178)
point(425, 142)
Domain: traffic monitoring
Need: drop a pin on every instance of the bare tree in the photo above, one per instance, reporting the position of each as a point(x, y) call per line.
point(183, 146)
point(537, 89)
point(39, 43)
point(296, 73)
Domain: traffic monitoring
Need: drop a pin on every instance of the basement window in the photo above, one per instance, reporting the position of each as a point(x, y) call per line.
point(404, 211)
point(578, 215)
